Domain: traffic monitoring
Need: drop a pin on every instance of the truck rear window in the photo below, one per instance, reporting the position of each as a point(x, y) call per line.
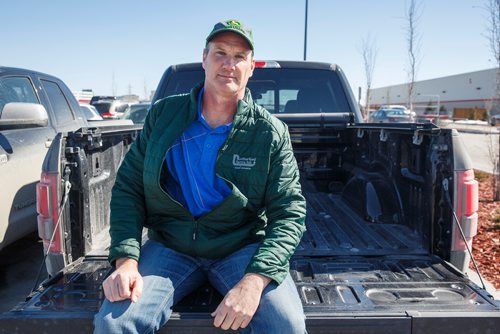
point(280, 90)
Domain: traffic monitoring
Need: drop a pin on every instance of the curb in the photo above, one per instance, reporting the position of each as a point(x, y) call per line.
point(473, 276)
point(471, 129)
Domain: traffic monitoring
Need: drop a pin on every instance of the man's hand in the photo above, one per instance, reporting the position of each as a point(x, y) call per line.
point(124, 283)
point(240, 303)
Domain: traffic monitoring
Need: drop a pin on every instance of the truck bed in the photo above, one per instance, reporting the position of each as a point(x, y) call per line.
point(397, 289)
point(333, 228)
point(371, 260)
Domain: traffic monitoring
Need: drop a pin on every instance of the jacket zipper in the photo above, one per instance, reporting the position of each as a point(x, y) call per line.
point(195, 229)
point(228, 139)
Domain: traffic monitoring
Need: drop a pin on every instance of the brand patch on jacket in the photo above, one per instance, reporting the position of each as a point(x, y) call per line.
point(243, 163)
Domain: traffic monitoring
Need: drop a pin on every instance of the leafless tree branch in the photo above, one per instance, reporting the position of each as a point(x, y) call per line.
point(493, 35)
point(369, 54)
point(413, 12)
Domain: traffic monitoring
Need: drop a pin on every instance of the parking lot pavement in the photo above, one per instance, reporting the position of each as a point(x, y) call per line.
point(474, 277)
point(19, 264)
point(470, 126)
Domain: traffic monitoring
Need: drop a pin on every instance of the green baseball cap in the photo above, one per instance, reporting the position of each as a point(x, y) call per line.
point(232, 26)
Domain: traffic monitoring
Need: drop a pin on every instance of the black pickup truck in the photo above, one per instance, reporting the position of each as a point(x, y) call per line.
point(382, 253)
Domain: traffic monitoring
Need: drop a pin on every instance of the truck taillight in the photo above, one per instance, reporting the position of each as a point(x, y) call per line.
point(267, 64)
point(466, 206)
point(108, 115)
point(47, 199)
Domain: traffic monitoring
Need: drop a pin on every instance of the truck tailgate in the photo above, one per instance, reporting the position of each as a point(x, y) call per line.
point(392, 294)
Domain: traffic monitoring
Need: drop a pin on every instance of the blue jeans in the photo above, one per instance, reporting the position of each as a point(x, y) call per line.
point(169, 276)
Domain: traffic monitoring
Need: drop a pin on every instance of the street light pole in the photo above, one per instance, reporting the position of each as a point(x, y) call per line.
point(305, 33)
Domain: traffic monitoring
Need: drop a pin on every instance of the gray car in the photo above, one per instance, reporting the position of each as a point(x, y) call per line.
point(90, 112)
point(391, 116)
point(495, 120)
point(137, 112)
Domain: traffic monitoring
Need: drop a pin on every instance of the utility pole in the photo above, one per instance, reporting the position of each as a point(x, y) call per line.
point(305, 33)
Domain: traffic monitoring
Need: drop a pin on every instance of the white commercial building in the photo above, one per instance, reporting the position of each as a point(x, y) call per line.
point(83, 95)
point(467, 95)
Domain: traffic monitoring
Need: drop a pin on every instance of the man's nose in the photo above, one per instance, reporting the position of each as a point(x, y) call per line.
point(229, 62)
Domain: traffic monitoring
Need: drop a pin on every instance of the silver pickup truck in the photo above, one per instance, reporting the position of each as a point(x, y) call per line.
point(34, 107)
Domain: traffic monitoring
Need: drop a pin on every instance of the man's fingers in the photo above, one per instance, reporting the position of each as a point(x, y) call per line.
point(123, 287)
point(214, 313)
point(245, 322)
point(237, 323)
point(219, 316)
point(117, 288)
point(124, 283)
point(109, 289)
point(228, 320)
point(136, 288)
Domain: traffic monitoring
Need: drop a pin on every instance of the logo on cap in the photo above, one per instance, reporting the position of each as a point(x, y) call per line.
point(234, 24)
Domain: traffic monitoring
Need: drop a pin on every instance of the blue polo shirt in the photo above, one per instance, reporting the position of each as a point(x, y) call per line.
point(191, 162)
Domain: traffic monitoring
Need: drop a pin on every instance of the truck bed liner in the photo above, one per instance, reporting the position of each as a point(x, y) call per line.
point(333, 228)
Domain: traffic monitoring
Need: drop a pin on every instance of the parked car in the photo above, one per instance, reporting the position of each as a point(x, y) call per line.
point(394, 106)
point(96, 98)
point(90, 112)
point(110, 109)
point(400, 107)
point(137, 112)
point(391, 116)
point(495, 120)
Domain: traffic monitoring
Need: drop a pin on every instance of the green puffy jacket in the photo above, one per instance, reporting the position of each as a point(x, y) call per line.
point(257, 162)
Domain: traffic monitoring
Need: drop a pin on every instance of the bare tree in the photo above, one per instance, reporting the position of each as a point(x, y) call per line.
point(113, 84)
point(369, 54)
point(493, 8)
point(493, 35)
point(413, 39)
point(146, 97)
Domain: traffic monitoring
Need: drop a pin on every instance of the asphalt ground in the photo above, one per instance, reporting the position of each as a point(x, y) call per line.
point(19, 265)
point(471, 127)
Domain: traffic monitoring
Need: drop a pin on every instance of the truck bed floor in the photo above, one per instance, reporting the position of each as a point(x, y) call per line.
point(335, 229)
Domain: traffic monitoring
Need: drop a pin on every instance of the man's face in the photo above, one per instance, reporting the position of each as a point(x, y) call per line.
point(228, 64)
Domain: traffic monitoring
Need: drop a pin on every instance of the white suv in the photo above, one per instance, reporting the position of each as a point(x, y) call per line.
point(110, 109)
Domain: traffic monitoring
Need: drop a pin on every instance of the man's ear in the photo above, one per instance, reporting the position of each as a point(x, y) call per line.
point(205, 53)
point(252, 66)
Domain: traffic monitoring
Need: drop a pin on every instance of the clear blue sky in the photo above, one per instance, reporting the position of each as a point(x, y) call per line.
point(87, 43)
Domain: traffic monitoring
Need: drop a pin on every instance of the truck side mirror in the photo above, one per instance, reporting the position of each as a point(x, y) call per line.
point(17, 115)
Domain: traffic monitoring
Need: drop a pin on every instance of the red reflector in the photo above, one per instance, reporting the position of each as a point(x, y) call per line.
point(43, 206)
point(47, 208)
point(470, 193)
point(260, 64)
point(466, 206)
